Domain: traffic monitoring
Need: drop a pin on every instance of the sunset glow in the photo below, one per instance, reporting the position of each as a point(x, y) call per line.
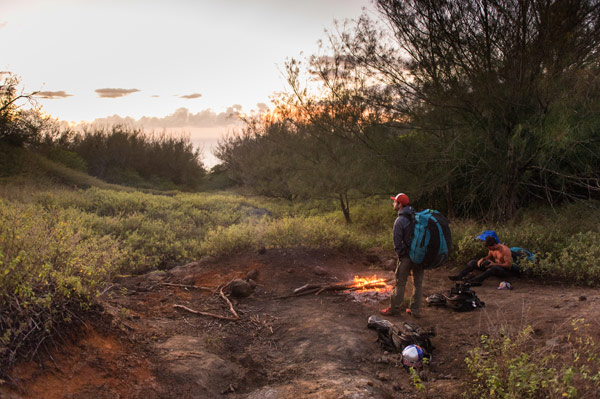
point(145, 61)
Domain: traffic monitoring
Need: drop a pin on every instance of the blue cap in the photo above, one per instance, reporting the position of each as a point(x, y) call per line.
point(486, 234)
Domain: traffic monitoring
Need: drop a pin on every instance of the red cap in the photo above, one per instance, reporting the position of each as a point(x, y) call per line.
point(401, 198)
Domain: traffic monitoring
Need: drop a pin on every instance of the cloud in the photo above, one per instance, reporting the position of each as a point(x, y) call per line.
point(114, 93)
point(191, 96)
point(52, 94)
point(181, 118)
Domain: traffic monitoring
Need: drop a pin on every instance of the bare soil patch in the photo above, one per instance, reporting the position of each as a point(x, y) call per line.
point(313, 346)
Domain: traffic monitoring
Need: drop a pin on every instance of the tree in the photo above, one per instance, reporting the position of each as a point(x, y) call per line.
point(485, 84)
point(17, 126)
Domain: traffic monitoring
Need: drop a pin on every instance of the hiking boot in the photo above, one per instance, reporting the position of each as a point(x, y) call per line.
point(455, 278)
point(386, 311)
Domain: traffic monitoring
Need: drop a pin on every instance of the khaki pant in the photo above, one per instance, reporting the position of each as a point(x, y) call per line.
point(404, 267)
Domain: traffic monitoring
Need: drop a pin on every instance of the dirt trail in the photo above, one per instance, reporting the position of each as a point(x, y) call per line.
point(304, 347)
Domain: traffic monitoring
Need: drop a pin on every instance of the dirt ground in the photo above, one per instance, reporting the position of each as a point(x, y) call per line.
point(313, 346)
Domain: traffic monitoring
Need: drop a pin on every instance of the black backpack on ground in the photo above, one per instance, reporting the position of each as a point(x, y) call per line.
point(395, 338)
point(462, 299)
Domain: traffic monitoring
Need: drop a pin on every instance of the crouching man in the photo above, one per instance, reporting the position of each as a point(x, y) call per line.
point(497, 263)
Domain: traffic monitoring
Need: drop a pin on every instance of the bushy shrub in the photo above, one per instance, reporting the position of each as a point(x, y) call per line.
point(65, 157)
point(51, 267)
point(516, 366)
point(576, 261)
point(124, 155)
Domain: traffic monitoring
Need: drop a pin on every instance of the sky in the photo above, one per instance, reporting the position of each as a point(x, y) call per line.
point(180, 65)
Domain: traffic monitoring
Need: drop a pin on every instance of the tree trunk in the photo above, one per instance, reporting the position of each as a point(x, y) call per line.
point(345, 207)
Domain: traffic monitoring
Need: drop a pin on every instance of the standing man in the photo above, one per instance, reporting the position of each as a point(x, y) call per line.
point(403, 232)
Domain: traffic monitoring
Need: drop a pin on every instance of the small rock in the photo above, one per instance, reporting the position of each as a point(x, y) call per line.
point(390, 264)
point(252, 275)
point(252, 283)
point(372, 258)
point(582, 298)
point(188, 280)
point(206, 260)
point(155, 276)
point(240, 288)
point(262, 250)
point(319, 271)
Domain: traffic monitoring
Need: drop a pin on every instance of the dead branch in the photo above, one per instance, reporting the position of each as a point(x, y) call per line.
point(307, 287)
point(229, 303)
point(350, 287)
point(196, 287)
point(311, 291)
point(204, 313)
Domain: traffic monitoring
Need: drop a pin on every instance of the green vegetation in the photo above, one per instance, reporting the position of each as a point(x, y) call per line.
point(516, 366)
point(60, 247)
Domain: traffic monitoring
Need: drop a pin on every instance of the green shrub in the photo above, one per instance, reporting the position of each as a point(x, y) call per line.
point(51, 266)
point(576, 262)
point(516, 366)
point(65, 157)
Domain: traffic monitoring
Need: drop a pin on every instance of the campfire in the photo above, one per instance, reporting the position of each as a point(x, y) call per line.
point(369, 289)
point(361, 289)
point(378, 284)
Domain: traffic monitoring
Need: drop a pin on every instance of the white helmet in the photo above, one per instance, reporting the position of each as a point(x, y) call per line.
point(412, 356)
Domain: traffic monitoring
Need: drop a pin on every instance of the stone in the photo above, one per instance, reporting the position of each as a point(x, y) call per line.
point(190, 279)
point(252, 275)
point(372, 258)
point(390, 264)
point(319, 271)
point(240, 288)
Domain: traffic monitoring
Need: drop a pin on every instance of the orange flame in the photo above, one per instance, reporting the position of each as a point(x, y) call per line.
point(371, 283)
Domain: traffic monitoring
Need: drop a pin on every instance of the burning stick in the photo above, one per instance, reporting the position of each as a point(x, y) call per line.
point(359, 283)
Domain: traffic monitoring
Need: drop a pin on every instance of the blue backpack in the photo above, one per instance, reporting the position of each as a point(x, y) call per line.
point(432, 240)
point(519, 253)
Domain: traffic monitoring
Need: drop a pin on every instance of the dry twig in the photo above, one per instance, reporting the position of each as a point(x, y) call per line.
point(205, 313)
point(229, 303)
point(196, 287)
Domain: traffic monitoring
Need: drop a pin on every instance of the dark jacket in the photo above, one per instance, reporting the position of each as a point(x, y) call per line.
point(403, 231)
